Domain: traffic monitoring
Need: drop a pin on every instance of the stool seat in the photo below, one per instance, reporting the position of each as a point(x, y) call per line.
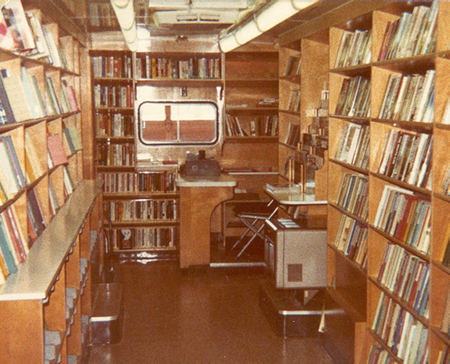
point(254, 221)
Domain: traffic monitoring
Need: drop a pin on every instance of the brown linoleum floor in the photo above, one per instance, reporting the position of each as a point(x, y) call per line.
point(172, 317)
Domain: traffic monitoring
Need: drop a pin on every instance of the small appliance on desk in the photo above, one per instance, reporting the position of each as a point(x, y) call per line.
point(199, 165)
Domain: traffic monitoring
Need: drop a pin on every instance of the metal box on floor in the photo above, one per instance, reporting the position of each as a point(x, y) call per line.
point(296, 256)
point(107, 317)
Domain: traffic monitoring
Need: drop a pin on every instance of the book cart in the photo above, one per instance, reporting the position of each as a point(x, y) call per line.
point(50, 216)
point(387, 225)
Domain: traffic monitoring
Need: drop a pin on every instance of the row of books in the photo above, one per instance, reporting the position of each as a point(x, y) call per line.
point(115, 66)
point(412, 34)
point(120, 182)
point(292, 135)
point(409, 98)
point(444, 355)
point(114, 125)
point(446, 184)
point(72, 140)
point(101, 15)
point(292, 170)
point(406, 336)
point(294, 101)
point(379, 355)
point(293, 66)
point(115, 154)
point(354, 97)
point(21, 99)
point(142, 210)
point(53, 199)
point(407, 157)
point(354, 145)
point(445, 326)
point(351, 239)
point(354, 194)
point(113, 96)
point(355, 48)
point(35, 162)
point(145, 238)
point(445, 259)
point(405, 217)
point(60, 148)
point(259, 126)
point(68, 182)
point(13, 245)
point(407, 276)
point(12, 178)
point(172, 68)
point(36, 218)
point(23, 32)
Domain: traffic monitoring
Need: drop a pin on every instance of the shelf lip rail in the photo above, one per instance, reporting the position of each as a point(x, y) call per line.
point(36, 277)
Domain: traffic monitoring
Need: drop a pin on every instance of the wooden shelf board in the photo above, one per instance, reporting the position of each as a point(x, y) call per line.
point(38, 273)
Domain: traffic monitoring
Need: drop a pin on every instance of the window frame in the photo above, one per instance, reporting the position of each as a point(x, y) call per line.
point(175, 143)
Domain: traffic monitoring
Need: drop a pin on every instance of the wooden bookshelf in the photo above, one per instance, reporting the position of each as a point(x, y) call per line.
point(55, 214)
point(303, 113)
point(358, 288)
point(250, 149)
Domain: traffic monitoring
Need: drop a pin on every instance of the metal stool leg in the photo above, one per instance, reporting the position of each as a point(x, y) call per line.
point(257, 232)
point(243, 235)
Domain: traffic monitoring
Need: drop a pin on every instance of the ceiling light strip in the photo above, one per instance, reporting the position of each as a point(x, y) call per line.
point(271, 15)
point(124, 10)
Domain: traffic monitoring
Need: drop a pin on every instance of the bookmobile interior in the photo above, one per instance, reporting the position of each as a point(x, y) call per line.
point(304, 141)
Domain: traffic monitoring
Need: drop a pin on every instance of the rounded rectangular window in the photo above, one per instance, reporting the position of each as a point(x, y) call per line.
point(172, 122)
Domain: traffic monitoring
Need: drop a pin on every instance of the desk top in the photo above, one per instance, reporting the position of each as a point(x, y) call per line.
point(293, 197)
point(222, 180)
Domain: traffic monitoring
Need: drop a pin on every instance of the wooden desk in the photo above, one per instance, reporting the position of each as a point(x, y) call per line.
point(198, 198)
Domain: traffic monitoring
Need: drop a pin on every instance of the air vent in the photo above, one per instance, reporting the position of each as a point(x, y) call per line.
point(186, 18)
point(210, 17)
point(220, 19)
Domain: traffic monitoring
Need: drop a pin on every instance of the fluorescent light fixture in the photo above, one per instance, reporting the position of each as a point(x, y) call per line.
point(277, 12)
point(228, 43)
point(272, 14)
point(301, 4)
point(247, 32)
point(124, 10)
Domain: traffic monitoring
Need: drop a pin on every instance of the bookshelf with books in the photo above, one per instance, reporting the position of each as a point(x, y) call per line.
point(303, 114)
point(141, 206)
point(387, 146)
point(143, 209)
point(250, 150)
point(39, 93)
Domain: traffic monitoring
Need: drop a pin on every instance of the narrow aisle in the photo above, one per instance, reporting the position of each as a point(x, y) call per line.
point(171, 317)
